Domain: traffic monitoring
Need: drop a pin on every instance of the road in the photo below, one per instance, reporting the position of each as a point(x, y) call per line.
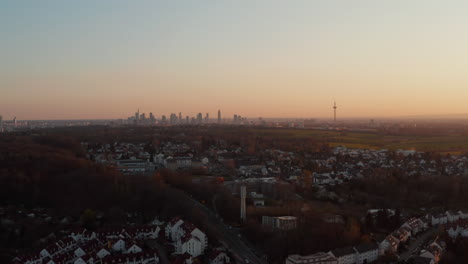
point(230, 239)
point(161, 250)
point(420, 240)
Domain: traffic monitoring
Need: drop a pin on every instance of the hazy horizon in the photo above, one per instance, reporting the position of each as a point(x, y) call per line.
point(106, 59)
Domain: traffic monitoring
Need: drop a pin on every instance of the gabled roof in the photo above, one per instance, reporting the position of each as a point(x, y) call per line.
point(340, 252)
point(421, 260)
point(366, 247)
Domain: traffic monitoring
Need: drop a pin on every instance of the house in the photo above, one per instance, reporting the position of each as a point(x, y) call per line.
point(143, 232)
point(402, 234)
point(173, 230)
point(322, 179)
point(426, 221)
point(33, 258)
point(133, 249)
point(422, 260)
point(366, 253)
point(463, 214)
point(219, 257)
point(82, 235)
point(258, 199)
point(389, 245)
point(84, 260)
point(459, 228)
point(196, 233)
point(119, 245)
point(66, 244)
point(280, 222)
point(452, 216)
point(102, 253)
point(439, 219)
point(183, 259)
point(179, 162)
point(317, 258)
point(50, 251)
point(134, 166)
point(345, 255)
point(147, 257)
point(416, 225)
point(189, 244)
point(186, 237)
point(433, 251)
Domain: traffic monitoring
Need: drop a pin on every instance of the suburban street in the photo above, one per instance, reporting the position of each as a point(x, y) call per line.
point(230, 239)
point(418, 243)
point(161, 250)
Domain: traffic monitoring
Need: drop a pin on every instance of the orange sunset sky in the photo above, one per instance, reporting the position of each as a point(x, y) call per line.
point(106, 59)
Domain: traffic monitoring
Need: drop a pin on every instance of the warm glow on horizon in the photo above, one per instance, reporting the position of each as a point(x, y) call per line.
point(106, 59)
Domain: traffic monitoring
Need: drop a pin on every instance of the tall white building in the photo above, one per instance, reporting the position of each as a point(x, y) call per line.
point(243, 194)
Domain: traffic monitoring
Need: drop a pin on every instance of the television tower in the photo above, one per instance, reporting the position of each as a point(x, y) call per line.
point(334, 111)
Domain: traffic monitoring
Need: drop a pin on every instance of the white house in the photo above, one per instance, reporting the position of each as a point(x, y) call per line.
point(415, 224)
point(50, 251)
point(119, 245)
point(134, 249)
point(219, 257)
point(102, 253)
point(452, 216)
point(459, 228)
point(366, 253)
point(440, 219)
point(79, 252)
point(173, 230)
point(463, 214)
point(151, 232)
point(80, 261)
point(189, 244)
point(187, 237)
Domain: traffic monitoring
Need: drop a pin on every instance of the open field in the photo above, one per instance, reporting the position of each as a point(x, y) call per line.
point(455, 144)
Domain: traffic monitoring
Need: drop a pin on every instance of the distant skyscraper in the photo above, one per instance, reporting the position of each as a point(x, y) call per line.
point(14, 121)
point(163, 119)
point(187, 119)
point(334, 111)
point(199, 118)
point(219, 116)
point(151, 117)
point(137, 115)
point(143, 117)
point(173, 118)
point(180, 117)
point(207, 117)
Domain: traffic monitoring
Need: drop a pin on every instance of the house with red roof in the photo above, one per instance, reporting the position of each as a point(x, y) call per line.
point(219, 257)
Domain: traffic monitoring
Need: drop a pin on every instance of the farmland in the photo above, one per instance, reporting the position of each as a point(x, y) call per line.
point(442, 144)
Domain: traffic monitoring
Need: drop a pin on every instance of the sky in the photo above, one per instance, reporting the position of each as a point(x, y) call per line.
point(92, 59)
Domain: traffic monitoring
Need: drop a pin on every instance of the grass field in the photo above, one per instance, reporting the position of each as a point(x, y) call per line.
point(445, 144)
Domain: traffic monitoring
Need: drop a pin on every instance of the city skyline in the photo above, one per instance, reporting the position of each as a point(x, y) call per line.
point(92, 60)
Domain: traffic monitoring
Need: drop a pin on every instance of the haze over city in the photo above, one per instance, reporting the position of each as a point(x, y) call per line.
point(101, 59)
